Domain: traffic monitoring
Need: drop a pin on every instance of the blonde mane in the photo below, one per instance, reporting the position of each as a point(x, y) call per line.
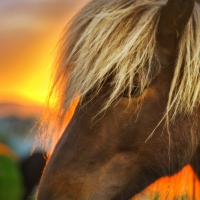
point(118, 38)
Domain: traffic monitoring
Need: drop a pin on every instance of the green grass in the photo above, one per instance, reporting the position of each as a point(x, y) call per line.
point(11, 187)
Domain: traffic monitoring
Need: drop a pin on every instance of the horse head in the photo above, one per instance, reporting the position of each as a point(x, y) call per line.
point(135, 122)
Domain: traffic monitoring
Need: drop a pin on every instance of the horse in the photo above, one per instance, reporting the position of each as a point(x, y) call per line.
point(133, 69)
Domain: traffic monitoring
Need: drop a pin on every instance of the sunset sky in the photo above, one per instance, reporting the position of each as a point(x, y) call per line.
point(29, 32)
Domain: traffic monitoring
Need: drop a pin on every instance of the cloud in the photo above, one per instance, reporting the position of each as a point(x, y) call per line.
point(21, 13)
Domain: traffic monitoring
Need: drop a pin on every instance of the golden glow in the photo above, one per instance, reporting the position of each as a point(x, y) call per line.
point(29, 34)
point(182, 183)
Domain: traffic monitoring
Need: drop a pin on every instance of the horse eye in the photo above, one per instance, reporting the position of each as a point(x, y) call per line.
point(134, 92)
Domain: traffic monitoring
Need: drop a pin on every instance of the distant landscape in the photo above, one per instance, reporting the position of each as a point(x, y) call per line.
point(17, 137)
point(16, 123)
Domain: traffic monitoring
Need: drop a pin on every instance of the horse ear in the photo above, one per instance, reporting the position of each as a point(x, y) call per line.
point(174, 16)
